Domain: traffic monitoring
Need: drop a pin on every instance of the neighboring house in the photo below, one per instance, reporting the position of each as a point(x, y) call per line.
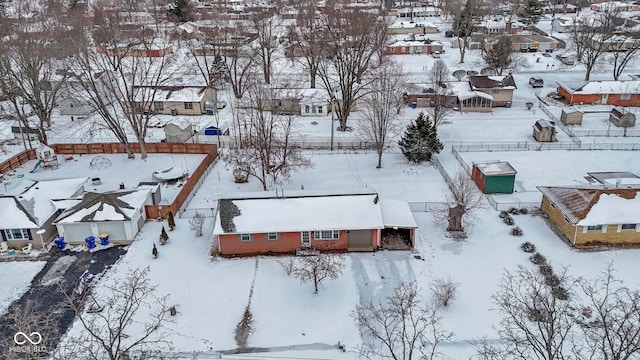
point(417, 12)
point(405, 47)
point(606, 92)
point(404, 27)
point(173, 100)
point(23, 214)
point(424, 95)
point(119, 213)
point(614, 43)
point(74, 105)
point(178, 131)
point(562, 8)
point(500, 88)
point(153, 50)
point(314, 102)
point(565, 24)
point(594, 215)
point(254, 223)
point(497, 26)
point(525, 43)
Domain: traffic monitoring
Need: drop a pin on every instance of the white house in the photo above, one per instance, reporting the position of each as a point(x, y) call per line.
point(313, 102)
point(120, 214)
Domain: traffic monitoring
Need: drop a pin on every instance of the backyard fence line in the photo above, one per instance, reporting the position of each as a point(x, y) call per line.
point(185, 204)
point(226, 141)
point(425, 206)
point(559, 123)
point(460, 160)
point(519, 146)
point(191, 212)
point(615, 132)
point(504, 206)
point(443, 172)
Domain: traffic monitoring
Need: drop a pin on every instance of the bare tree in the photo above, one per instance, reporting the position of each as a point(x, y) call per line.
point(110, 334)
point(464, 199)
point(401, 327)
point(623, 57)
point(351, 37)
point(500, 55)
point(611, 320)
point(31, 48)
point(266, 151)
point(319, 267)
point(306, 38)
point(444, 292)
point(196, 223)
point(464, 20)
point(592, 38)
point(379, 122)
point(267, 26)
point(118, 75)
point(439, 73)
point(287, 264)
point(538, 316)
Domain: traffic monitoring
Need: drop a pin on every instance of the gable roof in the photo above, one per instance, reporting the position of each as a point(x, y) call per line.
point(36, 198)
point(595, 206)
point(491, 82)
point(601, 86)
point(108, 206)
point(298, 211)
point(13, 215)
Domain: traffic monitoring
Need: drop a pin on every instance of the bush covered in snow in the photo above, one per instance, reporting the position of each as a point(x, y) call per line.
point(528, 247)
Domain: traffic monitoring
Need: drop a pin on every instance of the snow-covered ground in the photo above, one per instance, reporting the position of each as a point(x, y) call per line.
point(15, 280)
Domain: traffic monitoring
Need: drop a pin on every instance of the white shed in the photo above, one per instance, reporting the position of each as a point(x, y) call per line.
point(178, 130)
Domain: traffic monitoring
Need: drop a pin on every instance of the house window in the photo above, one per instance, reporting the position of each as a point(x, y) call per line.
point(319, 109)
point(246, 237)
point(566, 219)
point(137, 106)
point(188, 105)
point(594, 228)
point(158, 106)
point(326, 235)
point(17, 234)
point(628, 226)
point(273, 236)
point(552, 204)
point(495, 91)
point(306, 109)
point(625, 96)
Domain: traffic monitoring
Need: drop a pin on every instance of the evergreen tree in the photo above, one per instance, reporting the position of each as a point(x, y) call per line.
point(420, 140)
point(163, 236)
point(171, 221)
point(531, 12)
point(181, 10)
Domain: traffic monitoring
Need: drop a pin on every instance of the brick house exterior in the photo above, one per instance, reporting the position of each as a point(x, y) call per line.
point(605, 92)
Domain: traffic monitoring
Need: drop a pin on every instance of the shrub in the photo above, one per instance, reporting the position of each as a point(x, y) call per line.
point(546, 270)
point(444, 292)
point(538, 259)
point(516, 231)
point(513, 211)
point(503, 214)
point(524, 211)
point(552, 280)
point(528, 247)
point(508, 220)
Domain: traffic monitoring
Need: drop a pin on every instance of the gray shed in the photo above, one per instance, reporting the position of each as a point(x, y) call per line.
point(544, 131)
point(178, 131)
point(621, 117)
point(571, 116)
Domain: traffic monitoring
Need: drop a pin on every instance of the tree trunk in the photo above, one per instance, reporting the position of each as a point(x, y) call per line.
point(455, 218)
point(143, 149)
point(379, 159)
point(313, 71)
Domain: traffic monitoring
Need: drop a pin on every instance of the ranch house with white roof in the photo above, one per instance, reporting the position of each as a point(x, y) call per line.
point(357, 220)
point(173, 100)
point(605, 92)
point(595, 214)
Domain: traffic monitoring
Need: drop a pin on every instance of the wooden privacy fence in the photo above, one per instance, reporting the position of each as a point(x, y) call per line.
point(152, 211)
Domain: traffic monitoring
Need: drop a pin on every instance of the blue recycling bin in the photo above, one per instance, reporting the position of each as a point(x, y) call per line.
point(104, 239)
point(60, 242)
point(91, 242)
point(414, 105)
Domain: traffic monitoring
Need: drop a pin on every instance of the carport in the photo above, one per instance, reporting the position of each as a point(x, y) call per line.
point(399, 225)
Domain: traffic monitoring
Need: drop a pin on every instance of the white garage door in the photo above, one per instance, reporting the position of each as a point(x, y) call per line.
point(115, 230)
point(76, 233)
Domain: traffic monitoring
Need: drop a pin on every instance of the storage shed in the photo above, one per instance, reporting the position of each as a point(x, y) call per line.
point(571, 116)
point(494, 177)
point(621, 117)
point(544, 131)
point(178, 131)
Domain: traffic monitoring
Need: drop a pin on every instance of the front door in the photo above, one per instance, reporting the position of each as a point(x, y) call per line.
point(305, 239)
point(605, 97)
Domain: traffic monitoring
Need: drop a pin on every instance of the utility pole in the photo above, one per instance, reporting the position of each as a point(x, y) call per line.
point(332, 123)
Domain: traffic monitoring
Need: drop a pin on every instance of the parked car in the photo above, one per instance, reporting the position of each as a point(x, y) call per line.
point(221, 105)
point(536, 82)
point(436, 54)
point(565, 59)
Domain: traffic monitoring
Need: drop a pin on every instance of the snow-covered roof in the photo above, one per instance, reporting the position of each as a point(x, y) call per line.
point(181, 123)
point(261, 214)
point(314, 96)
point(596, 205)
point(109, 206)
point(396, 213)
point(170, 93)
point(602, 86)
point(464, 92)
point(13, 215)
point(37, 197)
point(406, 24)
point(495, 167)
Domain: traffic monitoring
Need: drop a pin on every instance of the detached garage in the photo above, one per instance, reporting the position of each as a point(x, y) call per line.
point(494, 177)
point(119, 214)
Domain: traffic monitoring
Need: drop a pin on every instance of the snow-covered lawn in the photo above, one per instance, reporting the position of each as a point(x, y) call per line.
point(15, 280)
